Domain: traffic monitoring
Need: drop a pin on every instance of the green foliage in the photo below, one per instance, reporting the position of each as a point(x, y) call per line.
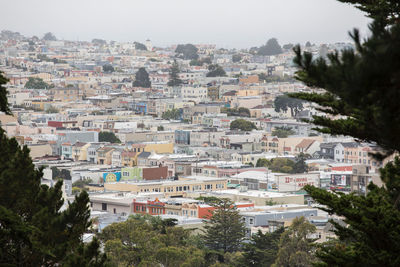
point(142, 79)
point(236, 58)
point(140, 46)
point(283, 165)
point(82, 183)
point(284, 102)
point(49, 37)
point(275, 78)
point(271, 48)
point(295, 246)
point(150, 241)
point(262, 249)
point(362, 86)
point(52, 109)
point(200, 62)
point(108, 137)
point(160, 128)
point(36, 83)
point(174, 75)
point(33, 229)
point(172, 114)
point(99, 42)
point(300, 165)
point(225, 230)
point(3, 94)
point(243, 125)
point(209, 200)
point(282, 132)
point(108, 68)
point(287, 46)
point(386, 10)
point(47, 59)
point(243, 112)
point(187, 51)
point(63, 174)
point(215, 71)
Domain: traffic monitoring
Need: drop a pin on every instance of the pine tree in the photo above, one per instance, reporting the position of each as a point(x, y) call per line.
point(363, 88)
point(173, 75)
point(33, 230)
point(225, 229)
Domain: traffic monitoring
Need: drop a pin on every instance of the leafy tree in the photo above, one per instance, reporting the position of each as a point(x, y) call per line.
point(287, 46)
point(108, 68)
point(363, 87)
point(282, 132)
point(36, 83)
point(284, 102)
point(52, 109)
point(150, 241)
point(300, 165)
point(295, 246)
point(271, 48)
point(200, 62)
point(243, 112)
point(33, 229)
point(236, 58)
point(174, 75)
point(275, 78)
point(142, 79)
point(99, 42)
point(160, 128)
point(283, 165)
point(243, 125)
point(49, 37)
point(172, 114)
point(3, 94)
point(187, 51)
point(63, 174)
point(108, 137)
point(215, 71)
point(262, 249)
point(140, 46)
point(225, 229)
point(262, 163)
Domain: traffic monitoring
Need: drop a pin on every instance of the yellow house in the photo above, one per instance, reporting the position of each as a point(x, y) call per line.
point(104, 155)
point(129, 158)
point(79, 151)
point(248, 92)
point(159, 147)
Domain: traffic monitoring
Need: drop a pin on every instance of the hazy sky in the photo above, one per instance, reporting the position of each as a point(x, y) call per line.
point(226, 23)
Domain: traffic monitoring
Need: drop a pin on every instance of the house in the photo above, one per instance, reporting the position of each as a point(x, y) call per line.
point(104, 155)
point(307, 146)
point(66, 149)
point(79, 151)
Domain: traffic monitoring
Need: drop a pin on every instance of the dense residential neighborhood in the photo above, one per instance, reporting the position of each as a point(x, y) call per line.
point(184, 135)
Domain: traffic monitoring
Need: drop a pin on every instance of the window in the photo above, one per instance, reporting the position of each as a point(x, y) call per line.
point(115, 210)
point(251, 221)
point(103, 206)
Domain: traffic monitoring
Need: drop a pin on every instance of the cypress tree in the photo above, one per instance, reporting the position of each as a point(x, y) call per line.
point(362, 90)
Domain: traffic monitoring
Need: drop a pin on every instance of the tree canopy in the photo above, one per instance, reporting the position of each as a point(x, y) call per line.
point(282, 132)
point(140, 46)
point(271, 48)
point(215, 71)
point(284, 102)
point(108, 137)
point(172, 114)
point(36, 83)
point(243, 125)
point(142, 79)
point(174, 75)
point(49, 37)
point(362, 88)
point(225, 229)
point(108, 68)
point(187, 51)
point(243, 112)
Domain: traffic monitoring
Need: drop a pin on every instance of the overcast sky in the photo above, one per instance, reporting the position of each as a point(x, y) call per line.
point(226, 23)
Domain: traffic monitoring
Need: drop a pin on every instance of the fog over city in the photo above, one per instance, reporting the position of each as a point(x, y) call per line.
point(240, 24)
